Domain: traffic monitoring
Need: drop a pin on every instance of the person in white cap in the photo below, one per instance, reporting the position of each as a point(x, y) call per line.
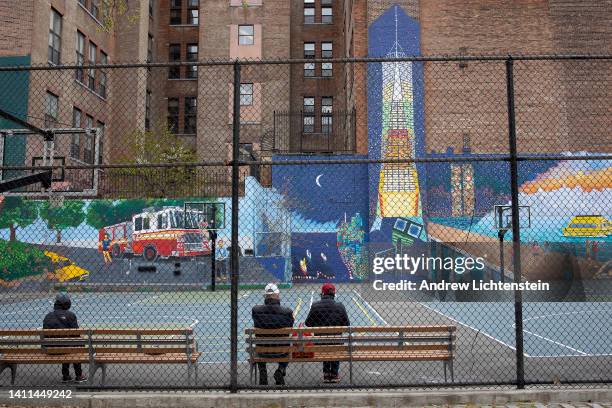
point(271, 315)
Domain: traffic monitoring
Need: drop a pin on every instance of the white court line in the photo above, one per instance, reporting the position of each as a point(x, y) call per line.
point(471, 327)
point(371, 308)
point(556, 342)
point(568, 313)
point(143, 300)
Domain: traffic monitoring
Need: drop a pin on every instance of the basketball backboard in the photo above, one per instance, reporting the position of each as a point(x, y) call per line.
point(71, 153)
point(503, 217)
point(205, 215)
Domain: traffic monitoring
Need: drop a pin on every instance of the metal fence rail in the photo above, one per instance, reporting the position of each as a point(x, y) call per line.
point(173, 205)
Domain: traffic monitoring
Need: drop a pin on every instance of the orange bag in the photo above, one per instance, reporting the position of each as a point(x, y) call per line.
point(303, 354)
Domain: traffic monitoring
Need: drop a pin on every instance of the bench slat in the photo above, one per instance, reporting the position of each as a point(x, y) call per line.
point(345, 348)
point(354, 329)
point(363, 356)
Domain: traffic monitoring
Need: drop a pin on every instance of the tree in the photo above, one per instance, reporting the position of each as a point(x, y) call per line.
point(157, 146)
point(113, 10)
point(102, 213)
point(16, 212)
point(58, 219)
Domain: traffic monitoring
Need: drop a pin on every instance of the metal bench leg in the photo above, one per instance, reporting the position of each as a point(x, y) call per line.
point(444, 363)
point(251, 374)
point(13, 368)
point(103, 366)
point(452, 373)
point(189, 374)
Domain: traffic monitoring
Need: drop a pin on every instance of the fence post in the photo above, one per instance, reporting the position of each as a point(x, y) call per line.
point(235, 247)
point(516, 234)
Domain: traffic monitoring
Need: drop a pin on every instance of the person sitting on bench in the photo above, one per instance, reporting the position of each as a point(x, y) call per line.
point(328, 312)
point(271, 315)
point(62, 318)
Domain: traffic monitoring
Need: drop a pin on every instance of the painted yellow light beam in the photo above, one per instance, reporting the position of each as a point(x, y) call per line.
point(365, 312)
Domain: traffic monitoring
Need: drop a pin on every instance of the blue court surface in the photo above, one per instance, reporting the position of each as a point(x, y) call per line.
point(550, 329)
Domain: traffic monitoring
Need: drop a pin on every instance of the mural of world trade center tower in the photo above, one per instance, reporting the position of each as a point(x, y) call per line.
point(398, 188)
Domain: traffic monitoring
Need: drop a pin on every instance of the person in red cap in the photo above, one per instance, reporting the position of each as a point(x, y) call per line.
point(328, 312)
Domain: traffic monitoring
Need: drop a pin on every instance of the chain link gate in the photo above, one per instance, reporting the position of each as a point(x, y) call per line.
point(468, 160)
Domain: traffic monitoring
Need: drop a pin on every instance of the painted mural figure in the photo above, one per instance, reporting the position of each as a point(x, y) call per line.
point(106, 248)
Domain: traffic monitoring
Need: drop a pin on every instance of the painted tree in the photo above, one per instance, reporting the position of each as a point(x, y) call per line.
point(71, 214)
point(15, 212)
point(102, 213)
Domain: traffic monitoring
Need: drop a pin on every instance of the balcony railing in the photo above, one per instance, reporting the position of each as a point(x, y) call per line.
point(313, 132)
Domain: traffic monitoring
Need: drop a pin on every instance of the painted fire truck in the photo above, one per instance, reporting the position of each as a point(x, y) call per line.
point(170, 232)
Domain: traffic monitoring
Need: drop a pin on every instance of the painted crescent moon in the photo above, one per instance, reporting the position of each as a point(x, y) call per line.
point(317, 180)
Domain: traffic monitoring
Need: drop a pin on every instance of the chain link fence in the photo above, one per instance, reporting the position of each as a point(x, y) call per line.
point(449, 218)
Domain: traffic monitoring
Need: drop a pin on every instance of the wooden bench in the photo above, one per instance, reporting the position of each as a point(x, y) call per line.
point(98, 348)
point(353, 344)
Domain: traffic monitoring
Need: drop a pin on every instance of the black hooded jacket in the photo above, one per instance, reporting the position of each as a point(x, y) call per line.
point(327, 312)
point(61, 317)
point(271, 315)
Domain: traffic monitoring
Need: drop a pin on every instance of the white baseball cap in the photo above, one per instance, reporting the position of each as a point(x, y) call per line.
point(271, 289)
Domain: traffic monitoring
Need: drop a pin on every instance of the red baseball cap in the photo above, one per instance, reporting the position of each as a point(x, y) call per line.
point(328, 289)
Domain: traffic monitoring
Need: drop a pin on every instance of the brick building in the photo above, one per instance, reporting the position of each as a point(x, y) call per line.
point(306, 107)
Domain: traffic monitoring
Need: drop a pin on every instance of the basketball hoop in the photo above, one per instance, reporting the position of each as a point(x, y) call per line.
point(203, 227)
point(56, 199)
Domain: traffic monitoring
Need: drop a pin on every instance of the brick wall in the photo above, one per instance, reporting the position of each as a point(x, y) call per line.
point(16, 18)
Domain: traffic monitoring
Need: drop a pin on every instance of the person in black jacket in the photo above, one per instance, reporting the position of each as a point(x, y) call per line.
point(328, 312)
point(271, 315)
point(62, 318)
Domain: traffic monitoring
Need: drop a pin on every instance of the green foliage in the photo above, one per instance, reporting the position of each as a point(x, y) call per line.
point(102, 213)
point(114, 10)
point(69, 215)
point(157, 146)
point(18, 260)
point(16, 212)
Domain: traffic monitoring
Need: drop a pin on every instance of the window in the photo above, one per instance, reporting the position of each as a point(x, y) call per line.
point(75, 143)
point(309, 12)
point(246, 35)
point(326, 15)
point(148, 110)
point(326, 69)
point(150, 48)
point(326, 114)
point(308, 116)
point(246, 94)
point(175, 55)
point(193, 12)
point(102, 80)
point(51, 109)
point(89, 139)
point(92, 60)
point(326, 50)
point(80, 54)
point(101, 126)
point(173, 114)
point(309, 50)
point(94, 9)
point(192, 55)
point(175, 12)
point(55, 37)
point(191, 114)
point(309, 69)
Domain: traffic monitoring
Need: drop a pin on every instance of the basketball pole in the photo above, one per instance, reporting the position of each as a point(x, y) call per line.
point(213, 248)
point(516, 234)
